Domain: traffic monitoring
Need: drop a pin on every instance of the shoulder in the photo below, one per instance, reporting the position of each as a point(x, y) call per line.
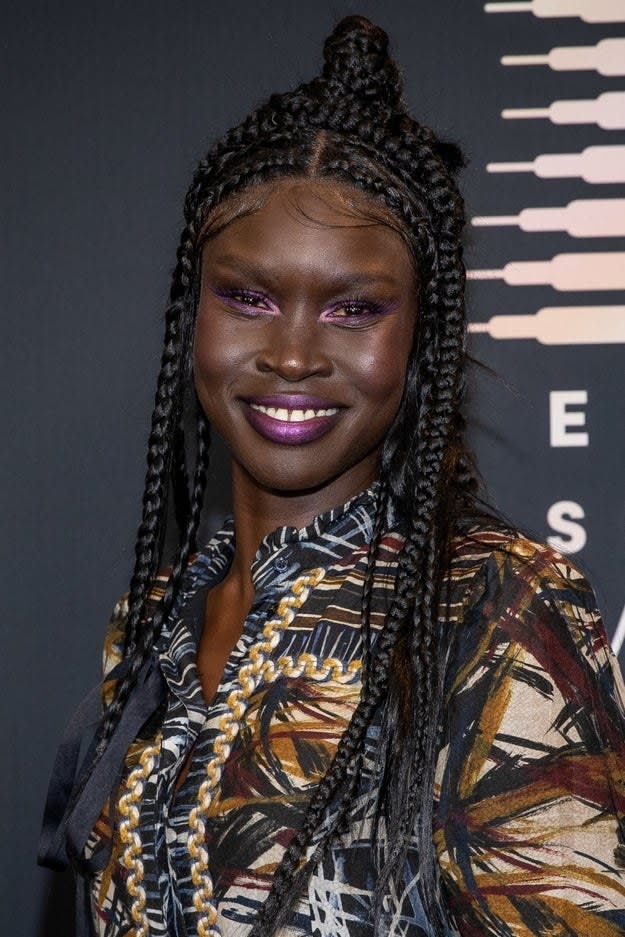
point(115, 635)
point(532, 753)
point(518, 598)
point(503, 560)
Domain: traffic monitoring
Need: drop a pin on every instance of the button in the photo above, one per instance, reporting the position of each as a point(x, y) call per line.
point(281, 564)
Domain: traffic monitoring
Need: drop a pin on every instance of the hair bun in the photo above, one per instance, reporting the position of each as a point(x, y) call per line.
point(358, 64)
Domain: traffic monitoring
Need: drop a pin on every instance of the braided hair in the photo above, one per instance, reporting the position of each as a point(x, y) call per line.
point(348, 125)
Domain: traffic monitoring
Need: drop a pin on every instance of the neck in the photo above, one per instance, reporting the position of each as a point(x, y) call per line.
point(258, 511)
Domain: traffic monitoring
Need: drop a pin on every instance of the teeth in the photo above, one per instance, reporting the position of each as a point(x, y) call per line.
point(293, 416)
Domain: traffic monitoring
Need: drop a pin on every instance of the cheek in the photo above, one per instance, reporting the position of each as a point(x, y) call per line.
point(382, 371)
point(216, 355)
point(212, 367)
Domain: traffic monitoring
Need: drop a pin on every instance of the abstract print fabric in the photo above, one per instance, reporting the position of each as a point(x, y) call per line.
point(530, 778)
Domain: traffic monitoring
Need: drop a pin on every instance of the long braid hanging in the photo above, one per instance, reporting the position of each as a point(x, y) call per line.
point(349, 125)
point(438, 391)
point(379, 520)
point(291, 875)
point(166, 427)
point(149, 536)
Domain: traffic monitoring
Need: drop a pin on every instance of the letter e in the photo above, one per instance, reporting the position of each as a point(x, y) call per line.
point(561, 418)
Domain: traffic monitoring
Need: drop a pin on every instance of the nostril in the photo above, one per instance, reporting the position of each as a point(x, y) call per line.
point(295, 361)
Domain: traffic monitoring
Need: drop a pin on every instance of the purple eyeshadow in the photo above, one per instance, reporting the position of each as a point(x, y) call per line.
point(234, 298)
point(253, 301)
point(365, 309)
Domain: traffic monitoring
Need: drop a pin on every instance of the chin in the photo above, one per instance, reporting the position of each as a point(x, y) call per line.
point(289, 484)
point(305, 478)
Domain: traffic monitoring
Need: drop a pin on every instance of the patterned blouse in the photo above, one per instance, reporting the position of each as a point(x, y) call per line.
point(530, 788)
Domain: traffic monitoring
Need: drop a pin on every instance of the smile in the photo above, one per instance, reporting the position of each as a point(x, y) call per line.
point(290, 419)
point(293, 416)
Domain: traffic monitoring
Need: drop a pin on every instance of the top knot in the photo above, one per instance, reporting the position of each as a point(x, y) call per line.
point(358, 64)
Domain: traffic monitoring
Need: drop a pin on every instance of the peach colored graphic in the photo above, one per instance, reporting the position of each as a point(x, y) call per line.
point(560, 325)
point(607, 58)
point(590, 271)
point(590, 11)
point(607, 111)
point(595, 164)
point(581, 218)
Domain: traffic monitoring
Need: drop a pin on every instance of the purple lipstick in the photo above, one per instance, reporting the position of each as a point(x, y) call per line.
point(290, 419)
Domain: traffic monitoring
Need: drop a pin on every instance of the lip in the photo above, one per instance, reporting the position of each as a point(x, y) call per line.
point(286, 433)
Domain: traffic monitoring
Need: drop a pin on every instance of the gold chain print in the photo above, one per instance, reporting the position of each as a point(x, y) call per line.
point(131, 856)
point(259, 670)
point(250, 676)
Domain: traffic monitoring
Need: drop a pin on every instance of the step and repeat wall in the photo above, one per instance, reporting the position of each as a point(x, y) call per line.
point(547, 268)
point(108, 107)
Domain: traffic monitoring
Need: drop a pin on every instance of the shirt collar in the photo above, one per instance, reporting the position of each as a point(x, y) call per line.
point(281, 556)
point(286, 551)
point(330, 536)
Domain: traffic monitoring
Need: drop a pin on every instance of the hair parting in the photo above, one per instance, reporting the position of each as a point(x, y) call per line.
point(348, 125)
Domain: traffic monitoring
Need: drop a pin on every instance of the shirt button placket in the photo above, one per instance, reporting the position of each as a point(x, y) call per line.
point(281, 564)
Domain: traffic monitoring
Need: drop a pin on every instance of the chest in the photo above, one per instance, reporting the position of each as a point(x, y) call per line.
point(285, 697)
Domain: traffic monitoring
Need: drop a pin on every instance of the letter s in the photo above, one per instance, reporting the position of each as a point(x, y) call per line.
point(562, 517)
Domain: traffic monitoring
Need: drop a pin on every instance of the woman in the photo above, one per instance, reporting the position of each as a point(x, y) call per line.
point(366, 706)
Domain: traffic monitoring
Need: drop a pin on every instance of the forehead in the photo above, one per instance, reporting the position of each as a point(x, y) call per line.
point(300, 220)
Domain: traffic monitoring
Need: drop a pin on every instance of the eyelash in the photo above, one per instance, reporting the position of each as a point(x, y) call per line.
point(244, 299)
point(241, 298)
point(368, 308)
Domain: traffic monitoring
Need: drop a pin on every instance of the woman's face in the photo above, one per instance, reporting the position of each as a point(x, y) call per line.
point(304, 330)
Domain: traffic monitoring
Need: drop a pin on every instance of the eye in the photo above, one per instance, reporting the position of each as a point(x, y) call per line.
point(249, 301)
point(353, 311)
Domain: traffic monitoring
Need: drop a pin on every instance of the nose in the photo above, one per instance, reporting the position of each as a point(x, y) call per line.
point(294, 349)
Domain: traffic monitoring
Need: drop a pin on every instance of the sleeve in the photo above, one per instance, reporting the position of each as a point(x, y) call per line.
point(530, 782)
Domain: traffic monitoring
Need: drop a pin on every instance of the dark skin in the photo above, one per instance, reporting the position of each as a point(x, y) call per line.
point(300, 297)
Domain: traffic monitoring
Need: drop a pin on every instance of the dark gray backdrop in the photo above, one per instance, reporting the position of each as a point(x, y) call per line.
point(107, 108)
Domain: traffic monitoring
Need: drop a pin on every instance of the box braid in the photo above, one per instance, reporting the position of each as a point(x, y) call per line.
point(401, 163)
point(166, 463)
point(348, 125)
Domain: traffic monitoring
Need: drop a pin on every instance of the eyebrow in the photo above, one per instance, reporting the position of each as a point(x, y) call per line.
point(240, 265)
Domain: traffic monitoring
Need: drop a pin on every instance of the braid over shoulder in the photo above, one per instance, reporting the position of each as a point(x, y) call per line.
point(348, 125)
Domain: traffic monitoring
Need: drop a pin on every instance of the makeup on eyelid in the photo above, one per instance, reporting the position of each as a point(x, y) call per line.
point(302, 340)
point(363, 307)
